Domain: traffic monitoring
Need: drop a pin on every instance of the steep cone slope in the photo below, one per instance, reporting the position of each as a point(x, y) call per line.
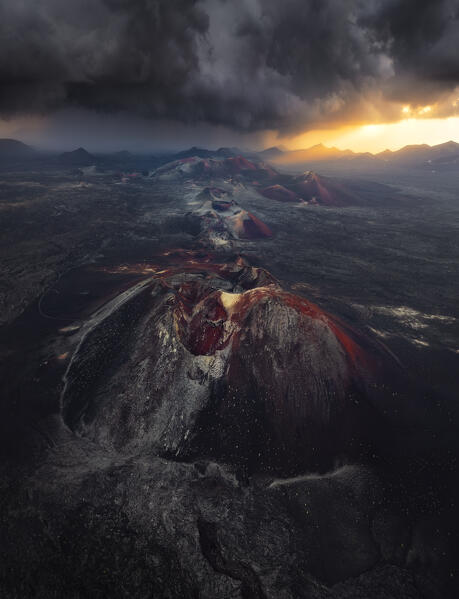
point(312, 188)
point(245, 225)
point(219, 361)
point(280, 193)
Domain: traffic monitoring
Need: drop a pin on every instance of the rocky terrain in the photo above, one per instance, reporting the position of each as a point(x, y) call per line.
point(61, 201)
point(221, 380)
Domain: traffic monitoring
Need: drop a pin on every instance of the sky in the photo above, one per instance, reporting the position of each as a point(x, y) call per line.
point(376, 138)
point(165, 74)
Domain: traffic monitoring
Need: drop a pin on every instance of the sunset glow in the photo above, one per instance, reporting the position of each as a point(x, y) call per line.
point(379, 137)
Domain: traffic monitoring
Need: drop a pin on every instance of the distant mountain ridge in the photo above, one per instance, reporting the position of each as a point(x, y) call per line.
point(316, 153)
point(439, 155)
point(223, 152)
point(12, 148)
point(444, 156)
point(271, 153)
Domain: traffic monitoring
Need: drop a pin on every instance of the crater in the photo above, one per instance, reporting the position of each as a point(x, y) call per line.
point(219, 361)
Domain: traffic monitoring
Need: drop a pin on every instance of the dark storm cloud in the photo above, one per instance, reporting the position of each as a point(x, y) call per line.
point(422, 39)
point(104, 54)
point(247, 64)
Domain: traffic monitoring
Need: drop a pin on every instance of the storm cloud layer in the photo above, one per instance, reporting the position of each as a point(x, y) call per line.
point(250, 65)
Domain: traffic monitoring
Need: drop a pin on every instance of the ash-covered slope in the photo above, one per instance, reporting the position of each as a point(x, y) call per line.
point(218, 361)
point(197, 403)
point(195, 167)
point(223, 219)
point(309, 187)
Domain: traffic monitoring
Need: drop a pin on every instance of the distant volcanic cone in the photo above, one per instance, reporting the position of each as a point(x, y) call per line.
point(219, 361)
point(311, 188)
point(224, 217)
point(322, 190)
point(79, 157)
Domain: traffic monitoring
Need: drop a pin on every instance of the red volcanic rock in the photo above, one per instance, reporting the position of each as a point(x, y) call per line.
point(313, 189)
point(322, 190)
point(239, 163)
point(280, 194)
point(246, 225)
point(198, 308)
point(254, 228)
point(201, 331)
point(218, 360)
point(223, 218)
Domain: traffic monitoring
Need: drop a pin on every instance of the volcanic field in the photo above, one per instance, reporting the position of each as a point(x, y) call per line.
point(190, 422)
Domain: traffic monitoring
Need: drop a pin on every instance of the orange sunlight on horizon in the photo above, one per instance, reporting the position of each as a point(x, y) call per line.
point(379, 137)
